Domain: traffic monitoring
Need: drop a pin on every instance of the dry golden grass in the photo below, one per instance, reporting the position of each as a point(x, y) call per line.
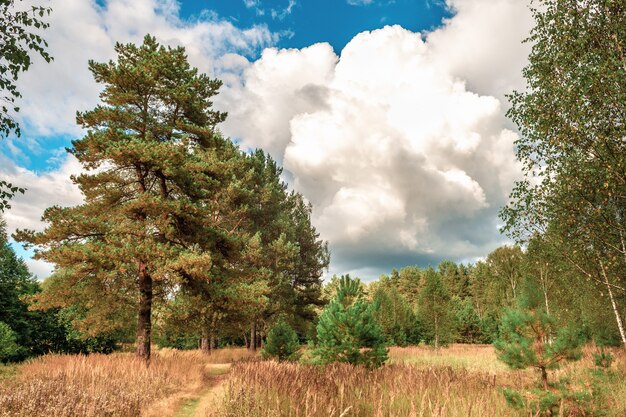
point(460, 380)
point(107, 385)
point(457, 356)
point(273, 389)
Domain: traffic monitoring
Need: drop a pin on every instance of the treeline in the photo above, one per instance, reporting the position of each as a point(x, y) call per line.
point(457, 303)
point(453, 303)
point(25, 333)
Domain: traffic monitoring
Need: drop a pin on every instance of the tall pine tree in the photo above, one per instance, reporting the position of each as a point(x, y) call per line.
point(143, 222)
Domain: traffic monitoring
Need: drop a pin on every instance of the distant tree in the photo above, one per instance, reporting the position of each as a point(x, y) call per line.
point(36, 332)
point(455, 278)
point(282, 342)
point(331, 288)
point(17, 39)
point(409, 283)
point(487, 292)
point(505, 267)
point(9, 349)
point(434, 309)
point(15, 283)
point(347, 330)
point(467, 323)
point(394, 314)
point(489, 327)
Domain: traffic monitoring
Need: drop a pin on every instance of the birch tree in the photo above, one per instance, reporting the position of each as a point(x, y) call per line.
point(572, 144)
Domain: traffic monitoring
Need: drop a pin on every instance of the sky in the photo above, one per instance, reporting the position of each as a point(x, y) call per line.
point(387, 115)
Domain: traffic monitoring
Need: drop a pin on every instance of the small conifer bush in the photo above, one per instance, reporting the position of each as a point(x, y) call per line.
point(282, 342)
point(348, 331)
point(8, 347)
point(530, 338)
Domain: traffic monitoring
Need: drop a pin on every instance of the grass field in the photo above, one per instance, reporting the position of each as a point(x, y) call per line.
point(108, 385)
point(460, 380)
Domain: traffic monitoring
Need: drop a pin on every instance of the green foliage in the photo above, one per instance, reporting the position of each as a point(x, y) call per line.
point(15, 282)
point(38, 332)
point(572, 145)
point(455, 278)
point(282, 342)
point(17, 39)
point(505, 269)
point(530, 338)
point(7, 192)
point(9, 349)
point(394, 315)
point(434, 309)
point(467, 323)
point(347, 330)
point(489, 328)
point(562, 401)
point(147, 223)
point(173, 210)
point(603, 359)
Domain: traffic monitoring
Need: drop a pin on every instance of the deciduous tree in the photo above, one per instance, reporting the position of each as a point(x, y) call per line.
point(18, 37)
point(571, 119)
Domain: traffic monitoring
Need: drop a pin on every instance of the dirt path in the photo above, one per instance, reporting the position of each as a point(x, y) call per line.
point(210, 399)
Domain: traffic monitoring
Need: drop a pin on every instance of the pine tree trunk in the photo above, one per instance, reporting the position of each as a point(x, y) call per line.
point(204, 345)
point(144, 320)
point(620, 325)
point(245, 340)
point(213, 342)
point(253, 337)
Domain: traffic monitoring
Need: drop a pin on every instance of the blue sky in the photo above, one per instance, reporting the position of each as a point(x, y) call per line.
point(387, 115)
point(333, 21)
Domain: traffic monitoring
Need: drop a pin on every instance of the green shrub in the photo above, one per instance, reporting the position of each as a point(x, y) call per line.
point(529, 337)
point(8, 348)
point(348, 331)
point(282, 342)
point(538, 402)
point(603, 359)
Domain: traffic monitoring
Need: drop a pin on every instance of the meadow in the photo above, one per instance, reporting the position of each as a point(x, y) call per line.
point(113, 385)
point(460, 380)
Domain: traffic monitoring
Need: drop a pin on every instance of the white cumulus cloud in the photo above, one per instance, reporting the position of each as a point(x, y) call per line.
point(43, 190)
point(400, 142)
point(82, 30)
